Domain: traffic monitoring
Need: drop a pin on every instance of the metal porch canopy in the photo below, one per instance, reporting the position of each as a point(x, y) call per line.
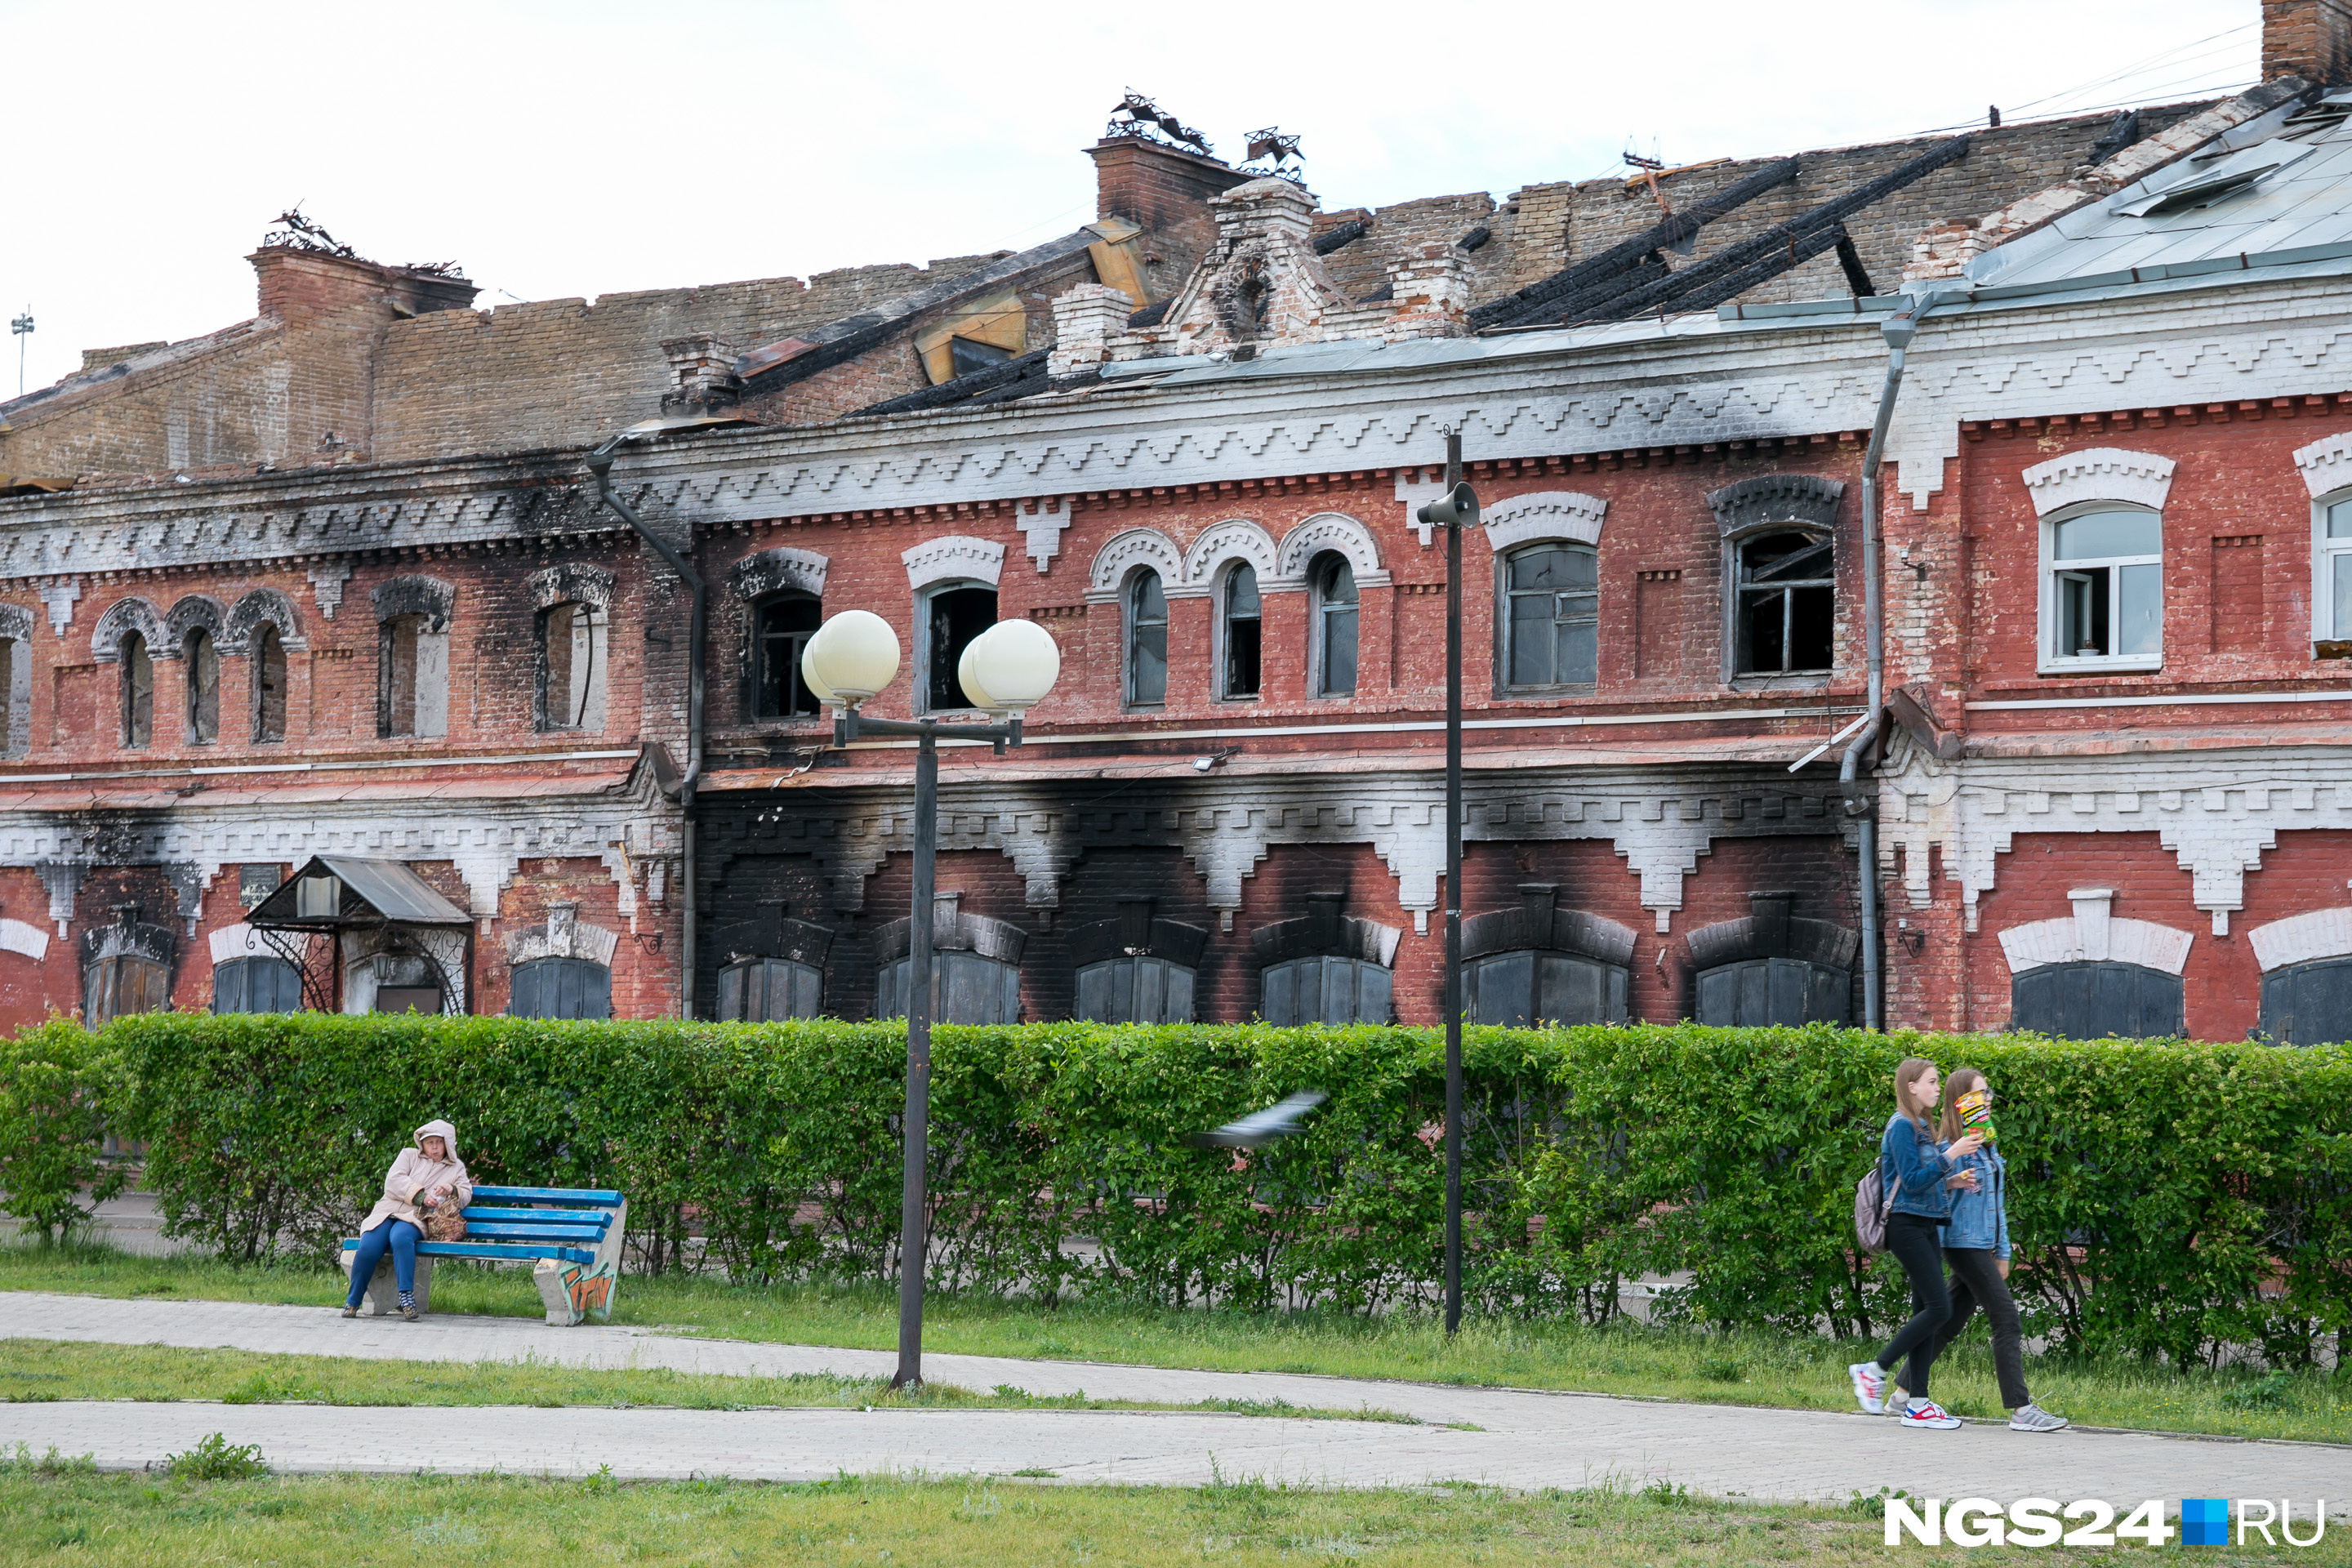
point(366, 893)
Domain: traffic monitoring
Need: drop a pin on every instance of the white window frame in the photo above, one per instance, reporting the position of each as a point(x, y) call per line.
point(2049, 660)
point(2324, 554)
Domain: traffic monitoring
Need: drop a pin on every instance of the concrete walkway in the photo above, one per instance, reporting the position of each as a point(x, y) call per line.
point(1529, 1439)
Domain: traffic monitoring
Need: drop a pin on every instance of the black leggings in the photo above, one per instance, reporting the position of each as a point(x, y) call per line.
point(1976, 1274)
point(1918, 1245)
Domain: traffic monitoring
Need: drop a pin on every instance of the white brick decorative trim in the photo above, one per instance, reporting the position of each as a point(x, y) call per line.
point(16, 936)
point(561, 935)
point(1544, 515)
point(1126, 551)
point(327, 580)
point(1237, 538)
point(2326, 463)
point(1043, 528)
point(1414, 492)
point(2299, 939)
point(2101, 473)
point(129, 615)
point(953, 557)
point(236, 941)
point(773, 571)
point(1328, 530)
point(2091, 935)
point(59, 597)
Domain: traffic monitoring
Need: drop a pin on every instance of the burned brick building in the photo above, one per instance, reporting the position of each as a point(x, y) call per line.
point(339, 587)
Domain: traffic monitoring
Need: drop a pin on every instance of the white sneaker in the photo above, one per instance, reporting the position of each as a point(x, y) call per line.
point(2034, 1418)
point(1927, 1416)
point(1869, 1387)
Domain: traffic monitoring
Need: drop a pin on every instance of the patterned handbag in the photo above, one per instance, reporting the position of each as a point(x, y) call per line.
point(447, 1223)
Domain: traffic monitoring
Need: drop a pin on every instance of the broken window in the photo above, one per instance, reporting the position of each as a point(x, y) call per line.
point(1147, 641)
point(266, 652)
point(1551, 619)
point(411, 676)
point(1242, 625)
point(1332, 615)
point(12, 665)
point(954, 615)
point(572, 658)
point(126, 967)
point(781, 627)
point(138, 690)
point(1786, 614)
point(201, 659)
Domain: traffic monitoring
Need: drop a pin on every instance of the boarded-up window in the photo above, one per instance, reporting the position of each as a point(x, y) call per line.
point(1780, 992)
point(1326, 990)
point(2238, 624)
point(2309, 1003)
point(556, 988)
point(265, 651)
point(965, 989)
point(1526, 988)
point(201, 661)
point(765, 990)
point(126, 984)
point(2094, 1001)
point(413, 676)
point(257, 985)
point(1135, 991)
point(137, 692)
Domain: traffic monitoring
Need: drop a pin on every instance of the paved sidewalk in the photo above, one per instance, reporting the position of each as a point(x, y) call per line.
point(1529, 1439)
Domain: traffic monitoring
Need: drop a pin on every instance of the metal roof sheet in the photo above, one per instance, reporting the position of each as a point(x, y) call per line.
point(388, 888)
point(2265, 187)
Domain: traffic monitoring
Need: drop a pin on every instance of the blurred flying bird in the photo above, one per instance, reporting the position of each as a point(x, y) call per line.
point(1260, 1128)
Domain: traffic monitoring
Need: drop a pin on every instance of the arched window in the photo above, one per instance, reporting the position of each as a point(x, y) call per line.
point(257, 985)
point(571, 666)
point(266, 652)
point(768, 990)
point(1242, 625)
point(1135, 969)
point(1541, 964)
point(2092, 1001)
point(1772, 969)
point(1331, 593)
point(1147, 641)
point(952, 618)
point(975, 967)
point(2309, 1003)
point(1325, 968)
point(1551, 620)
point(201, 661)
point(138, 690)
point(560, 988)
point(126, 967)
point(1787, 604)
point(781, 625)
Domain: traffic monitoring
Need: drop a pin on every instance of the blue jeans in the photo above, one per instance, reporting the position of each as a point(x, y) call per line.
point(400, 1239)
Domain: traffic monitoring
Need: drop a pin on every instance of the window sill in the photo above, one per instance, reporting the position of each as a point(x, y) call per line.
point(1794, 680)
point(2064, 666)
point(1544, 693)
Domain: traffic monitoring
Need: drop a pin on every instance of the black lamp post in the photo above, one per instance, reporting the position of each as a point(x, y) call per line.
point(1456, 510)
point(1009, 667)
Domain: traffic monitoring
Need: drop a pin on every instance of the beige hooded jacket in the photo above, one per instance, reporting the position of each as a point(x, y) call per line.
point(413, 1180)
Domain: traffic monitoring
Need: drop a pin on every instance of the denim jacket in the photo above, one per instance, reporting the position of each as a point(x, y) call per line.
point(1911, 1168)
point(1980, 1218)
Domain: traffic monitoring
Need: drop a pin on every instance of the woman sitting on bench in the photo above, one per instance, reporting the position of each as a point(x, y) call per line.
point(422, 1179)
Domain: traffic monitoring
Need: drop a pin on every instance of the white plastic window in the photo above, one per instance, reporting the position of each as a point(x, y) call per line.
point(2103, 602)
point(2331, 596)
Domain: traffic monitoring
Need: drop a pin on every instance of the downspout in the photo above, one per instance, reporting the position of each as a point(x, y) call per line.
point(600, 462)
point(1862, 803)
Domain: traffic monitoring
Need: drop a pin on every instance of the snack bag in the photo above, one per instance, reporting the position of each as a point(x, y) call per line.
point(1976, 1113)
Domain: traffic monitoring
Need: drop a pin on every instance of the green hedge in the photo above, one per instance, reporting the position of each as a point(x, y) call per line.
point(2167, 1199)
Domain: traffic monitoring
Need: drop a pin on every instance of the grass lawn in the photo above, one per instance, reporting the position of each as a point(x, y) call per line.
point(60, 1513)
point(36, 1370)
point(1747, 1368)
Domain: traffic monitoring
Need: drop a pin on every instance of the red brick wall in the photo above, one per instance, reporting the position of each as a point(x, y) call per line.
point(30, 988)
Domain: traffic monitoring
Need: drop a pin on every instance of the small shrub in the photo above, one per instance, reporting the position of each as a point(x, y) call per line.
point(217, 1460)
point(1723, 1369)
point(2272, 1391)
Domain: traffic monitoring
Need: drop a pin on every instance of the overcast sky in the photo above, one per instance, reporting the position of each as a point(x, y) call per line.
point(588, 147)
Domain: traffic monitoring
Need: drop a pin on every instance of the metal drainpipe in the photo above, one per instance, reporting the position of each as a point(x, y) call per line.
point(600, 462)
point(1897, 329)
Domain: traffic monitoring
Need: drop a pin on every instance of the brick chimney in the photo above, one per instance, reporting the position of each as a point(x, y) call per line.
point(1153, 184)
point(298, 285)
point(2309, 38)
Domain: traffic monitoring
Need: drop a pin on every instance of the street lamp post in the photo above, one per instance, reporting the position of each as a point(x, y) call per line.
point(23, 327)
point(1008, 668)
point(1457, 509)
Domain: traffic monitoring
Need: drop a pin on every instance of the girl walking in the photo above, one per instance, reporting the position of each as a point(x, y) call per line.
point(1919, 1177)
point(1976, 1244)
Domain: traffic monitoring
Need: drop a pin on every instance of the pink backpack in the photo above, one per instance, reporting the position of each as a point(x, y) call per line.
point(1871, 1204)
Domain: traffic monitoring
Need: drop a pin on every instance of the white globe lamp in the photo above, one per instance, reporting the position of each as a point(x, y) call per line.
point(1011, 666)
point(852, 657)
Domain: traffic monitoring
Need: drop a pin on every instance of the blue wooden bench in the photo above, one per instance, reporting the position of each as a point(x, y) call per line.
point(570, 1235)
